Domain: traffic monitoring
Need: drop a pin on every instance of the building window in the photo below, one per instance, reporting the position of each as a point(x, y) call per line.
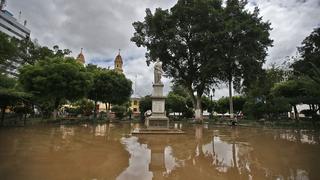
point(135, 102)
point(135, 109)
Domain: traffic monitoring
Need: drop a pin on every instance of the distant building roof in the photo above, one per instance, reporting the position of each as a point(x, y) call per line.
point(7, 12)
point(10, 26)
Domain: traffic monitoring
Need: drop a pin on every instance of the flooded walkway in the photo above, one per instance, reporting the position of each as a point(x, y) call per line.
point(108, 152)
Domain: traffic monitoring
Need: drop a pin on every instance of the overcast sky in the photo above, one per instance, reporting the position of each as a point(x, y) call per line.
point(102, 27)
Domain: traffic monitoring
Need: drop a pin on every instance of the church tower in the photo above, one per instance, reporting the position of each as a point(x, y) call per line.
point(80, 58)
point(118, 63)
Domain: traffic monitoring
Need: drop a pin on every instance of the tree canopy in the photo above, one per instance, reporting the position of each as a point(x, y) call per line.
point(309, 54)
point(110, 87)
point(55, 80)
point(202, 42)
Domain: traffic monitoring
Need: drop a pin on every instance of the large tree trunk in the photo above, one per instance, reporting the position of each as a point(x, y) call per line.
point(198, 109)
point(230, 98)
point(3, 112)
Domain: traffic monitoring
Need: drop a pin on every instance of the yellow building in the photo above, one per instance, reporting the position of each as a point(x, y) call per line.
point(118, 63)
point(80, 58)
point(134, 104)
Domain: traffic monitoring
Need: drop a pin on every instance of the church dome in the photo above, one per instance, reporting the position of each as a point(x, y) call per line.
point(81, 58)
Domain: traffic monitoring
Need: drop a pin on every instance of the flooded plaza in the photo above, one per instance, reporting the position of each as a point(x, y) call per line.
point(108, 151)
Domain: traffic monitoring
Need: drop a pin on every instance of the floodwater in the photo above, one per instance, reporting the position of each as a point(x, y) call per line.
point(205, 152)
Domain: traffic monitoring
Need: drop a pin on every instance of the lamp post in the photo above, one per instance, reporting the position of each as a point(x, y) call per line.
point(211, 102)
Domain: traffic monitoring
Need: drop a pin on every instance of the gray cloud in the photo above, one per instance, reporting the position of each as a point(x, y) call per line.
point(102, 27)
point(291, 21)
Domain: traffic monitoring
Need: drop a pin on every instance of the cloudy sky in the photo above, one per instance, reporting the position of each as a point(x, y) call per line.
point(102, 27)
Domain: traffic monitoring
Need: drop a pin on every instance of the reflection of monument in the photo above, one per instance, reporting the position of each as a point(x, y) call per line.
point(158, 119)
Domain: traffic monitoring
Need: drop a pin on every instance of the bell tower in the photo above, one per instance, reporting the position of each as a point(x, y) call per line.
point(80, 59)
point(118, 63)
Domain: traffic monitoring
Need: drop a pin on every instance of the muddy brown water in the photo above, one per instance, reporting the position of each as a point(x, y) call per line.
point(205, 152)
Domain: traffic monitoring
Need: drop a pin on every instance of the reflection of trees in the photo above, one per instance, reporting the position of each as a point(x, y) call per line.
point(64, 153)
point(281, 156)
point(88, 152)
point(139, 160)
point(252, 153)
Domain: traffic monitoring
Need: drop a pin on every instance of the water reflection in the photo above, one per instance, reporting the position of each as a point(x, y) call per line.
point(226, 153)
point(106, 151)
point(138, 162)
point(302, 136)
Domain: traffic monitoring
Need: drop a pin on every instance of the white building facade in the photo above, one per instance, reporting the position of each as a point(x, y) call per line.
point(10, 26)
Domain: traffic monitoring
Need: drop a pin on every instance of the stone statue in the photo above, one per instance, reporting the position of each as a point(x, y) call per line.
point(158, 72)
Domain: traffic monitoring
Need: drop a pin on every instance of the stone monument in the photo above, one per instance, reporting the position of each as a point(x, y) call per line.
point(158, 118)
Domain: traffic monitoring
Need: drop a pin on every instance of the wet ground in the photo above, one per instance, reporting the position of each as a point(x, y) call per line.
point(204, 152)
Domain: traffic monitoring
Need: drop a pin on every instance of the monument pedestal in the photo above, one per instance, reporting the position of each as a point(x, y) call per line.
point(158, 122)
point(158, 119)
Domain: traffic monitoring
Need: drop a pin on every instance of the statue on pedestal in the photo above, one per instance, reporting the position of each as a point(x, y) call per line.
point(158, 72)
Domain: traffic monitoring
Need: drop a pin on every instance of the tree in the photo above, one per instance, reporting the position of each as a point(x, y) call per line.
point(8, 50)
point(223, 104)
point(10, 95)
point(245, 42)
point(119, 111)
point(184, 38)
point(200, 41)
point(55, 80)
point(85, 106)
point(95, 92)
point(306, 68)
point(260, 102)
point(109, 87)
point(298, 90)
point(309, 54)
point(175, 103)
point(145, 104)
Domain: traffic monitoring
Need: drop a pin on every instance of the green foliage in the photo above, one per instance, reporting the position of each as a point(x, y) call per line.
point(222, 105)
point(119, 111)
point(208, 105)
point(15, 53)
point(175, 103)
point(245, 43)
point(85, 106)
point(54, 81)
point(8, 50)
point(11, 95)
point(200, 42)
point(145, 104)
point(309, 54)
point(109, 86)
point(298, 90)
point(179, 90)
point(271, 109)
point(261, 101)
point(184, 39)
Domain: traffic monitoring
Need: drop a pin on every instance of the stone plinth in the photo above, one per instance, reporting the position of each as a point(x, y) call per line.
point(158, 119)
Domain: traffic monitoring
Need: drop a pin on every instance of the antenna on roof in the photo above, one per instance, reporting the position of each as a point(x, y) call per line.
point(135, 85)
point(2, 4)
point(19, 18)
